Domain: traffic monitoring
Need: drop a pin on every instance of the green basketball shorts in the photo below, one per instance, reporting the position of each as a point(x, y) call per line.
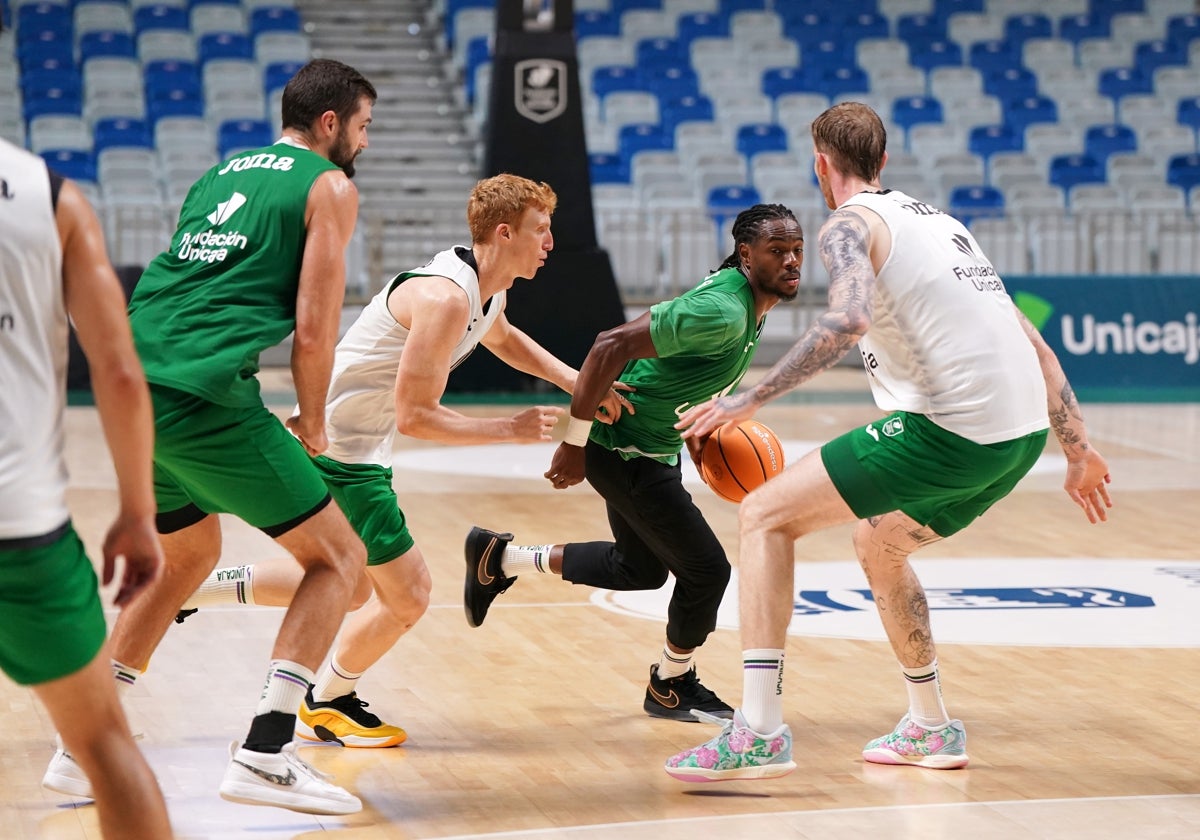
point(908, 463)
point(212, 458)
point(53, 622)
point(364, 493)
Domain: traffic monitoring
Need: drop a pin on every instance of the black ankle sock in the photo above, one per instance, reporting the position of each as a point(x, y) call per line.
point(269, 732)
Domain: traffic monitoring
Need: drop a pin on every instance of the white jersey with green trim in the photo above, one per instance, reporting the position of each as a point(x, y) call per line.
point(33, 351)
point(945, 340)
point(360, 416)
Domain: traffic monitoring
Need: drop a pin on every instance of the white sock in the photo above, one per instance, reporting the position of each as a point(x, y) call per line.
point(762, 689)
point(334, 681)
point(234, 585)
point(672, 664)
point(525, 558)
point(287, 683)
point(125, 677)
point(925, 696)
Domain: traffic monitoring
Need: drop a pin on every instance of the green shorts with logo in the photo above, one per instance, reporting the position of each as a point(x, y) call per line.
point(908, 463)
point(53, 622)
point(364, 493)
point(211, 458)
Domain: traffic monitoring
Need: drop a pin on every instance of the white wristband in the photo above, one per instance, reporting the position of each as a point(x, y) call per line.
point(577, 432)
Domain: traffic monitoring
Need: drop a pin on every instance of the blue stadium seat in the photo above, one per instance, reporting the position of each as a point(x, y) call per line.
point(619, 6)
point(55, 63)
point(71, 163)
point(106, 43)
point(55, 17)
point(1118, 7)
point(592, 22)
point(728, 7)
point(968, 203)
point(987, 140)
point(776, 81)
point(1076, 28)
point(1020, 28)
point(1021, 113)
point(1183, 29)
point(808, 26)
point(53, 101)
point(727, 201)
point(870, 24)
point(479, 51)
point(1067, 171)
point(844, 83)
point(175, 103)
point(935, 54)
point(643, 137)
point(278, 73)
point(224, 45)
point(616, 77)
point(701, 25)
point(827, 54)
point(919, 30)
point(914, 110)
point(1183, 171)
point(1188, 112)
point(993, 56)
point(121, 131)
point(1100, 141)
point(672, 82)
point(1009, 84)
point(608, 168)
point(1117, 82)
point(756, 138)
point(234, 135)
point(48, 47)
point(167, 72)
point(672, 112)
point(1148, 56)
point(653, 53)
point(945, 8)
point(274, 19)
point(36, 81)
point(160, 17)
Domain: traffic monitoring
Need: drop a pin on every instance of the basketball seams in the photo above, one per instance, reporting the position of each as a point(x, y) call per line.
point(728, 470)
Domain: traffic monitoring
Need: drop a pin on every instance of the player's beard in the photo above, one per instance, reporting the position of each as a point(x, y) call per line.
point(343, 154)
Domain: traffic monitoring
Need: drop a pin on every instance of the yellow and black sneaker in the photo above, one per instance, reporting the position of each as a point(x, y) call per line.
point(345, 720)
point(675, 698)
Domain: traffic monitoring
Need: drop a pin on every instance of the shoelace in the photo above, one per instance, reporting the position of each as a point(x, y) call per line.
point(352, 704)
point(705, 717)
point(702, 693)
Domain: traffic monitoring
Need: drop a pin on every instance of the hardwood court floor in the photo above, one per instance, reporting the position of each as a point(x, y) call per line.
point(1081, 722)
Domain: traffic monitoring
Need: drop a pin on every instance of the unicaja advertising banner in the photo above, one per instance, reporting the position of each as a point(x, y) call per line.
point(1119, 337)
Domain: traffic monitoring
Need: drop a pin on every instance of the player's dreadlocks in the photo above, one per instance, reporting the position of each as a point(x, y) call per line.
point(747, 227)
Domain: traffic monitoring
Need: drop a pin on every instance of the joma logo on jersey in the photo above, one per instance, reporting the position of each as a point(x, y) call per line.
point(262, 160)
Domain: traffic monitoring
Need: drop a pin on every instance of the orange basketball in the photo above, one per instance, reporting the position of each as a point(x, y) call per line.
point(738, 458)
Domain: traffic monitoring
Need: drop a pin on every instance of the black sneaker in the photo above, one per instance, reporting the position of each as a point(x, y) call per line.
point(675, 698)
point(182, 615)
point(484, 579)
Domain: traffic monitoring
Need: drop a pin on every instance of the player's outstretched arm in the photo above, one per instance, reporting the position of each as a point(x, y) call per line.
point(96, 304)
point(1087, 472)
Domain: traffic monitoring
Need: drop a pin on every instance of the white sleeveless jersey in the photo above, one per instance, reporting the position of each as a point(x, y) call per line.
point(360, 415)
point(33, 351)
point(945, 340)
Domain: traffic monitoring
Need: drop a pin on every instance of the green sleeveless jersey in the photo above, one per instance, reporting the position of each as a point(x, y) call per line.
point(705, 342)
point(203, 311)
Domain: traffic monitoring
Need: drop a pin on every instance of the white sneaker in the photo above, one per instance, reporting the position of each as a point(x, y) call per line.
point(285, 781)
point(63, 775)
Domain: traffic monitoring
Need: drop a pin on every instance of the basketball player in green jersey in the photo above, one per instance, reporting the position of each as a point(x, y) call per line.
point(257, 254)
point(677, 355)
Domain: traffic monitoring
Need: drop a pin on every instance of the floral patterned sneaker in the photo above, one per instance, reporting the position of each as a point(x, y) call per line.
point(914, 745)
point(737, 753)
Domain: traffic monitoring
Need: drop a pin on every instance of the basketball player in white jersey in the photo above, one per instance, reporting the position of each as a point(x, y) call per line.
point(53, 265)
point(390, 373)
point(970, 388)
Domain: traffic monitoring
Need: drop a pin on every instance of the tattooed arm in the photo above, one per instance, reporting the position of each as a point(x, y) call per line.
point(845, 246)
point(1087, 471)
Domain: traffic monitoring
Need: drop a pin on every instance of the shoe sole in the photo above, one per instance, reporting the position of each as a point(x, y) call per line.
point(699, 774)
point(67, 785)
point(929, 762)
point(252, 795)
point(320, 735)
point(659, 711)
